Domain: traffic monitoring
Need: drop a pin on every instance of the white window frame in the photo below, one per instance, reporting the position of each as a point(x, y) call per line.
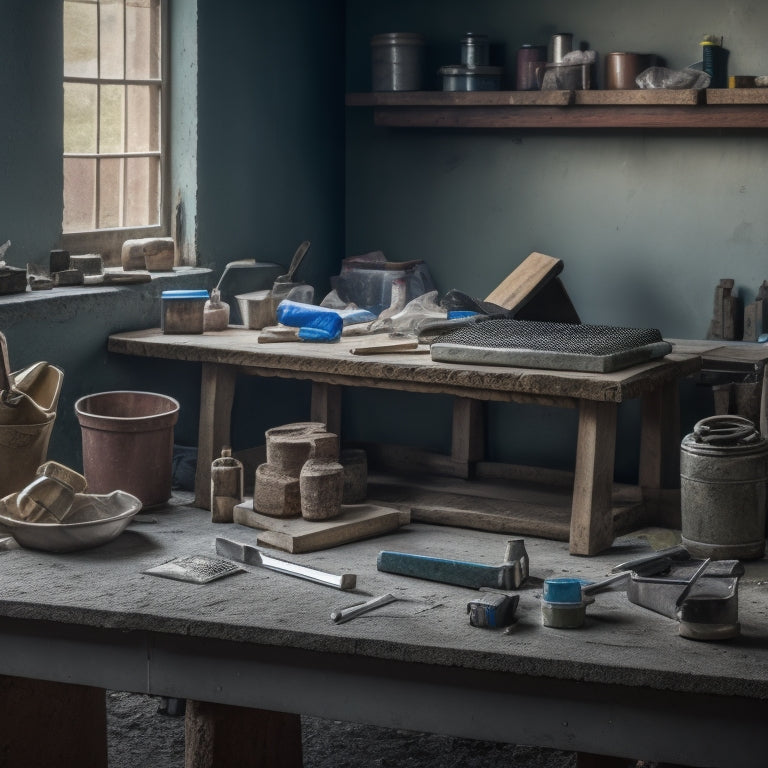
point(109, 242)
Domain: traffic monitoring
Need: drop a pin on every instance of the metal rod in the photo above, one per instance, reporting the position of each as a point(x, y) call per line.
point(351, 612)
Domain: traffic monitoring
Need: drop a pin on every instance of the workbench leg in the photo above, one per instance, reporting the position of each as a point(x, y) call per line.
point(326, 406)
point(217, 393)
point(660, 454)
point(223, 736)
point(468, 435)
point(591, 514)
point(48, 724)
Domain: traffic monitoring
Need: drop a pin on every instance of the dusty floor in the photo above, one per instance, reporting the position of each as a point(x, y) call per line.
point(140, 736)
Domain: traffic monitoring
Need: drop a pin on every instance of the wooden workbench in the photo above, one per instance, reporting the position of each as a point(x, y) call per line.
point(330, 367)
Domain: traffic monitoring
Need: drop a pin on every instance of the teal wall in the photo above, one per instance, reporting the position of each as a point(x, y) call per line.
point(646, 222)
point(257, 153)
point(31, 104)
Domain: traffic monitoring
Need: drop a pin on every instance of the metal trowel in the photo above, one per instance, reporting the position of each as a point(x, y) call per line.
point(284, 284)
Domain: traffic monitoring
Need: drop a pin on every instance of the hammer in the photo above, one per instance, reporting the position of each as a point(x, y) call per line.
point(509, 575)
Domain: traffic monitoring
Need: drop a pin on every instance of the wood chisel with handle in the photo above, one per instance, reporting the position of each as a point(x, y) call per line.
point(244, 553)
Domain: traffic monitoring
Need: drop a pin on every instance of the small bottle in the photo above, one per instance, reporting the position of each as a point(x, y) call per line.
point(215, 313)
point(226, 486)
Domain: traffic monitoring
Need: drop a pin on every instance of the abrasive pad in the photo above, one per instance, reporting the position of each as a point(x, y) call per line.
point(555, 346)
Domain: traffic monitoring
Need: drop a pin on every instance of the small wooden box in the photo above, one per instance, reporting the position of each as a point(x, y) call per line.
point(183, 311)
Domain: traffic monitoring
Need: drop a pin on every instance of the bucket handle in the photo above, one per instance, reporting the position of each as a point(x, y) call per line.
point(725, 430)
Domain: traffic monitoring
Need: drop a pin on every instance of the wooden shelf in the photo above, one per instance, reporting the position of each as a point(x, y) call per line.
point(660, 109)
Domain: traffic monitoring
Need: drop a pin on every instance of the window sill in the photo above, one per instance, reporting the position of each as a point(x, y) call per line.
point(129, 303)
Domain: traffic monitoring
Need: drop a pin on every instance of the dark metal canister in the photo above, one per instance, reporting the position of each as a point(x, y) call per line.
point(397, 61)
point(723, 489)
point(529, 59)
point(475, 50)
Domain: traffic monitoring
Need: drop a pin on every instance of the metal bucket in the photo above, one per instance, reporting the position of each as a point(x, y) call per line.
point(723, 475)
point(128, 443)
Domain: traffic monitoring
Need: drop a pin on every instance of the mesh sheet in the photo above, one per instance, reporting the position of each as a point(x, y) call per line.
point(502, 333)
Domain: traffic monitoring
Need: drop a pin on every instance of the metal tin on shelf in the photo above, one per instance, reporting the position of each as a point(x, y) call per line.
point(529, 59)
point(475, 50)
point(397, 61)
point(459, 78)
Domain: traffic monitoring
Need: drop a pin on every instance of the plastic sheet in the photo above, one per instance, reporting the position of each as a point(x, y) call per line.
point(663, 77)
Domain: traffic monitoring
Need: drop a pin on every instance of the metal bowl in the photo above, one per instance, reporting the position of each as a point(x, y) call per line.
point(94, 520)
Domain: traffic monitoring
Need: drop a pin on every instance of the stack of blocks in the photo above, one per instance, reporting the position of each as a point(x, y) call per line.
point(306, 475)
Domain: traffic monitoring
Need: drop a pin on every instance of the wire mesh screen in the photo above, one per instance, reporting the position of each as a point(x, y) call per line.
point(502, 333)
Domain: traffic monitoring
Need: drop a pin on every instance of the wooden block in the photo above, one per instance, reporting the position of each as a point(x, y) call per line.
point(525, 280)
point(356, 521)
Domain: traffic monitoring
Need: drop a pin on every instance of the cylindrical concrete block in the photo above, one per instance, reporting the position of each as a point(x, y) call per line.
point(322, 486)
point(276, 493)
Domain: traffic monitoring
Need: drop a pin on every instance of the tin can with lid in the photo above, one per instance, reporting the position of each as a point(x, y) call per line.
point(723, 476)
point(397, 61)
point(529, 59)
point(475, 50)
point(560, 44)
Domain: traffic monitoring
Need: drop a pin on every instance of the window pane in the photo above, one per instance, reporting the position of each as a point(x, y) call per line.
point(80, 125)
point(112, 112)
point(80, 39)
point(110, 192)
point(142, 191)
point(79, 194)
point(143, 118)
point(112, 29)
point(142, 39)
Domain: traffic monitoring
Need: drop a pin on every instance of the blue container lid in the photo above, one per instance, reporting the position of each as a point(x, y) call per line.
point(185, 294)
point(562, 590)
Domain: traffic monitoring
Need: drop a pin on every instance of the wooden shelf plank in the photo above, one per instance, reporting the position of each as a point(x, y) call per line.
point(460, 98)
point(737, 95)
point(638, 97)
point(639, 109)
point(580, 117)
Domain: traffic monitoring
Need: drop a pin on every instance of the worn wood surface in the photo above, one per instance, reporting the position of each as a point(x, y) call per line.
point(589, 117)
point(50, 724)
point(460, 98)
point(223, 736)
point(525, 281)
point(591, 520)
point(737, 96)
point(334, 364)
point(297, 535)
point(639, 96)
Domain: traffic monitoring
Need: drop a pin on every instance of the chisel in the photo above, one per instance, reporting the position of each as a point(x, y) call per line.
point(245, 553)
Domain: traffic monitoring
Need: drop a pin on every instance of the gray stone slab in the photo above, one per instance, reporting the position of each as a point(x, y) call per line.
point(620, 643)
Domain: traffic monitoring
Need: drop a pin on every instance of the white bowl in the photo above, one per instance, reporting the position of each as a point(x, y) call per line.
point(94, 520)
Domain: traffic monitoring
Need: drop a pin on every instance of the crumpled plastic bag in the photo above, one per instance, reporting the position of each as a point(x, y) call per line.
point(423, 309)
point(663, 77)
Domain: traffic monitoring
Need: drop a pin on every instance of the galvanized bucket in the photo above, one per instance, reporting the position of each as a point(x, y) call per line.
point(723, 475)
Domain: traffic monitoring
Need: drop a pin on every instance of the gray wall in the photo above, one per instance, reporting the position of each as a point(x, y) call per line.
point(646, 222)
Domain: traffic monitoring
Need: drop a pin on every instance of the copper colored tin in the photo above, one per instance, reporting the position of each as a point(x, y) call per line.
point(621, 69)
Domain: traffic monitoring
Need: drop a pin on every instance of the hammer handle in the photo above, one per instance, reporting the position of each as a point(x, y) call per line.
point(459, 572)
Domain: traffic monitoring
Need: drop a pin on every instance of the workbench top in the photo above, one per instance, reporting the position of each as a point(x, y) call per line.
point(334, 363)
point(621, 643)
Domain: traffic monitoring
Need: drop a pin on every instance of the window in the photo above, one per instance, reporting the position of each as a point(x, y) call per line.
point(114, 123)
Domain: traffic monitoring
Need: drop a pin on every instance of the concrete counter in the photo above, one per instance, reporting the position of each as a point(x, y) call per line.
point(265, 639)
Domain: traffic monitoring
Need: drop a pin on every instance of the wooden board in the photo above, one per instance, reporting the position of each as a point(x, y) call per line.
point(525, 280)
point(640, 96)
point(297, 535)
point(737, 95)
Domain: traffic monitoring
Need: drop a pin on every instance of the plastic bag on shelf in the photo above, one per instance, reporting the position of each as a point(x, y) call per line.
point(421, 310)
point(663, 77)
